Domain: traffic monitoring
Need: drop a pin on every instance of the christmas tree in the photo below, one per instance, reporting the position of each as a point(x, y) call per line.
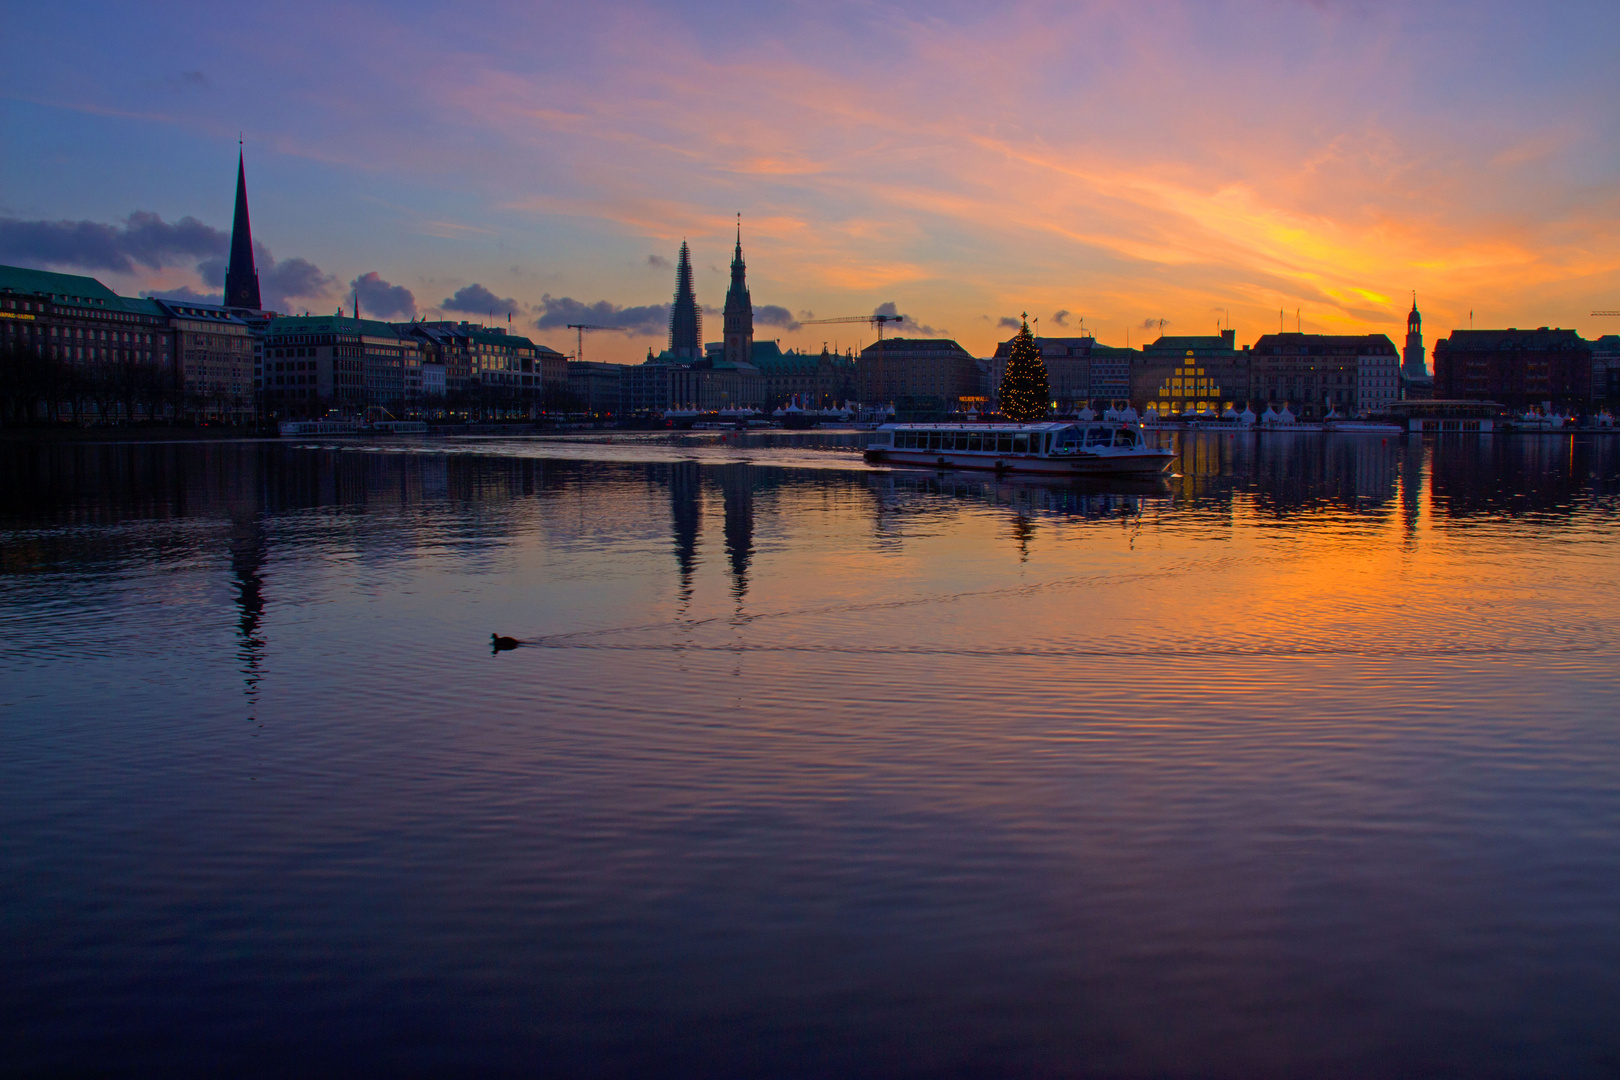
point(1024, 390)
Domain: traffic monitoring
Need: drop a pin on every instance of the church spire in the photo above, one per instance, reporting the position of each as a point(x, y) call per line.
point(685, 318)
point(739, 314)
point(241, 278)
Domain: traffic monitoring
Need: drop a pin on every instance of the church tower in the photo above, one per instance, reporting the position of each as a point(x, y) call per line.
point(241, 278)
point(685, 318)
point(1412, 365)
point(739, 316)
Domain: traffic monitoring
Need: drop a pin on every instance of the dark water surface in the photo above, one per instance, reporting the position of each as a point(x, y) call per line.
point(1306, 764)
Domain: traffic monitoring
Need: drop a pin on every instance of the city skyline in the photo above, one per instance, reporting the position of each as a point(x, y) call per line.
point(1099, 163)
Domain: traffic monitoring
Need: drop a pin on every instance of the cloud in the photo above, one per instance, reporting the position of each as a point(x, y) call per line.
point(143, 240)
point(282, 282)
point(906, 323)
point(1153, 324)
point(186, 294)
point(658, 262)
point(559, 311)
point(477, 300)
point(195, 78)
point(1007, 322)
point(380, 300)
point(775, 315)
point(1061, 317)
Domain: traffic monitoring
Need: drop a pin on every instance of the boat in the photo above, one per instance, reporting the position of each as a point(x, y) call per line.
point(1107, 448)
point(319, 427)
point(1346, 426)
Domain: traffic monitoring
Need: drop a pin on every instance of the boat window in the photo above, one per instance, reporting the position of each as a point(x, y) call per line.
point(1124, 437)
point(1004, 442)
point(933, 440)
point(883, 437)
point(975, 441)
point(1098, 436)
point(1020, 443)
point(1067, 437)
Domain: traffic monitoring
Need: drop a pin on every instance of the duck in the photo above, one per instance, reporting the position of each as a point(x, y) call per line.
point(501, 644)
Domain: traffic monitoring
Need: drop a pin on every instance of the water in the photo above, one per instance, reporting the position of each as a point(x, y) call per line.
point(1304, 763)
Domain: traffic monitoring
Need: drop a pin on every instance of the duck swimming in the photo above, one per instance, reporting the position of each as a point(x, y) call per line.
point(501, 644)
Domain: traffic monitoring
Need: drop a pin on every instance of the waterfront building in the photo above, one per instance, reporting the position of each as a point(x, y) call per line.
point(816, 380)
point(685, 316)
point(1189, 387)
point(314, 363)
point(1068, 370)
point(241, 276)
point(595, 386)
point(1519, 368)
point(739, 312)
point(213, 359)
point(1317, 373)
point(1219, 375)
point(918, 376)
point(1606, 369)
point(99, 354)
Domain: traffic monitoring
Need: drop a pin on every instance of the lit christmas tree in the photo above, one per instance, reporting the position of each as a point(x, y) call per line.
point(1025, 393)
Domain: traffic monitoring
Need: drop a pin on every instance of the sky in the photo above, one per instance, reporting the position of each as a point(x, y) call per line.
point(1124, 167)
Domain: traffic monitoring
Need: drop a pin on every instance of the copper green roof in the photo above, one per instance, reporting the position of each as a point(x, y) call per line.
point(69, 287)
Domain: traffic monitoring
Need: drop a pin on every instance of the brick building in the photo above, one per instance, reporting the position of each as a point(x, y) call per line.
point(1518, 368)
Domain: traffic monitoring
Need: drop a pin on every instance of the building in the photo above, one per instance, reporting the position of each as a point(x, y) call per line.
point(1219, 373)
point(316, 363)
point(89, 353)
point(241, 276)
point(815, 380)
point(1416, 382)
point(739, 313)
point(1068, 370)
point(1606, 369)
point(685, 316)
point(213, 359)
point(595, 386)
point(1518, 368)
point(1079, 371)
point(918, 376)
point(1315, 373)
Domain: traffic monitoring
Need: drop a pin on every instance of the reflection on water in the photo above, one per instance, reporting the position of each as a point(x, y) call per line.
point(1299, 762)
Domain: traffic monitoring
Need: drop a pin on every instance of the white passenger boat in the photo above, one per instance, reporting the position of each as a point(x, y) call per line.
point(1052, 448)
point(320, 427)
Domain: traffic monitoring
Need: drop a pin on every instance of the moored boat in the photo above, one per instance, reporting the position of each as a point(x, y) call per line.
point(1051, 448)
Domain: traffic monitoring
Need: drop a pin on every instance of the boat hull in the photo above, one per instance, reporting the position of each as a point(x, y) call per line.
point(1149, 462)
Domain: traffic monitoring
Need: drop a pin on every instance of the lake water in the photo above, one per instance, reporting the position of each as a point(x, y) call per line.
point(1303, 763)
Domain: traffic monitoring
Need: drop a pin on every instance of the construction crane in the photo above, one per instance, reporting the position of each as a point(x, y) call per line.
point(874, 320)
point(579, 350)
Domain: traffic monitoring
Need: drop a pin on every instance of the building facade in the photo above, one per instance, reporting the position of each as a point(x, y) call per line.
point(84, 352)
point(1220, 373)
point(918, 376)
point(213, 352)
point(316, 363)
point(1317, 373)
point(1606, 370)
point(596, 387)
point(1517, 368)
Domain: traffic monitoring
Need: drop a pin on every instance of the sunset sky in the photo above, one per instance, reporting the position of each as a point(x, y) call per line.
point(1120, 163)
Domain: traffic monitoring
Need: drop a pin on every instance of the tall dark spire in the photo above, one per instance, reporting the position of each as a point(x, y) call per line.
point(685, 319)
point(1412, 360)
point(739, 314)
point(241, 278)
